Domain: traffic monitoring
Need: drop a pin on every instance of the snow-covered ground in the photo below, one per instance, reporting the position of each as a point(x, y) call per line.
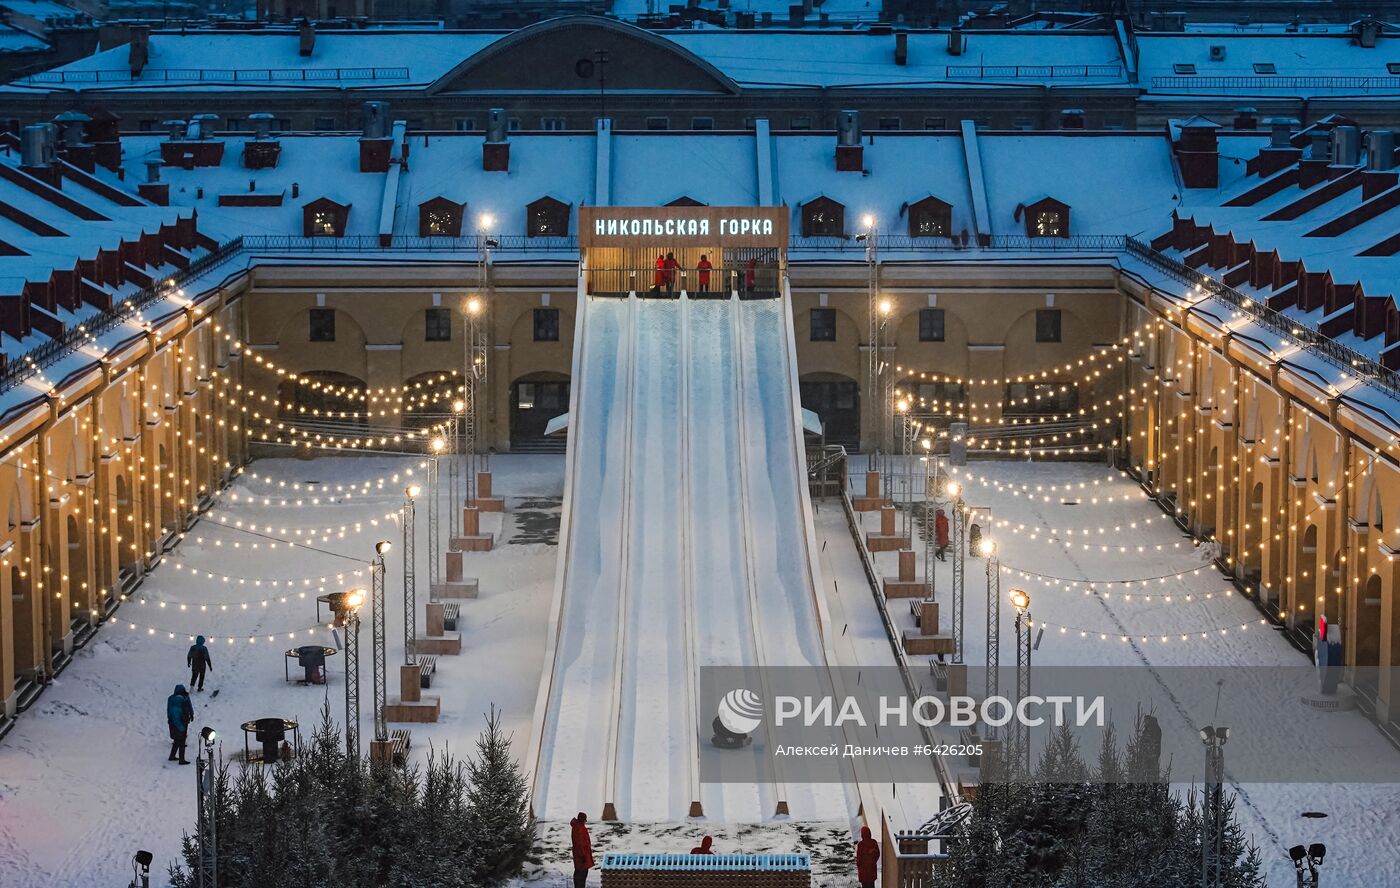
point(1112, 531)
point(83, 778)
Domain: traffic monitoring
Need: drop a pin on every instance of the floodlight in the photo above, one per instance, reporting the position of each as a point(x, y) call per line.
point(1207, 734)
point(868, 220)
point(459, 405)
point(207, 734)
point(926, 444)
point(1020, 599)
point(885, 306)
point(413, 490)
point(902, 406)
point(355, 598)
point(1317, 851)
point(143, 859)
point(473, 305)
point(1222, 734)
point(438, 445)
point(382, 547)
point(1298, 852)
point(952, 488)
point(487, 220)
point(988, 547)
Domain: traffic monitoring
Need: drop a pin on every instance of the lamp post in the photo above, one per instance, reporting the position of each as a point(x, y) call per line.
point(1213, 809)
point(989, 552)
point(354, 600)
point(451, 448)
point(1306, 861)
point(930, 528)
point(1020, 732)
point(886, 388)
point(206, 779)
point(436, 447)
point(954, 492)
point(474, 385)
point(410, 579)
point(872, 362)
point(376, 614)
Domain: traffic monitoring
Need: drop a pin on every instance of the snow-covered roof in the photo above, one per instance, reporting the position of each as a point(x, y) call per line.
point(1265, 64)
point(13, 39)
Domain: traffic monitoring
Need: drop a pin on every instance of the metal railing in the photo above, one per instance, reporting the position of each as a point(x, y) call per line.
point(903, 243)
point(1031, 72)
point(1347, 359)
point(471, 244)
point(216, 75)
point(761, 283)
point(1190, 83)
point(29, 365)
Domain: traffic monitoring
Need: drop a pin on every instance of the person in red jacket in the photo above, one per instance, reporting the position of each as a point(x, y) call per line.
point(658, 278)
point(940, 534)
point(702, 273)
point(582, 846)
point(867, 856)
point(750, 275)
point(672, 266)
point(704, 848)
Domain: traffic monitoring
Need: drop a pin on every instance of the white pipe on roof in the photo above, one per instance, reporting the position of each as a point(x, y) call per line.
point(602, 171)
point(976, 182)
point(763, 146)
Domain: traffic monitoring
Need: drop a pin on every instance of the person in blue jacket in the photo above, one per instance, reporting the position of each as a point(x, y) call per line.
point(198, 660)
point(179, 712)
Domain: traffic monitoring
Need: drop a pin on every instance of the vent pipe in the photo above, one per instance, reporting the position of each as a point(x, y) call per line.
point(497, 126)
point(374, 120)
point(1346, 146)
point(850, 154)
point(1246, 119)
point(36, 146)
point(1320, 148)
point(957, 43)
point(1380, 151)
point(1281, 131)
point(901, 48)
point(201, 127)
point(306, 38)
point(262, 125)
point(175, 129)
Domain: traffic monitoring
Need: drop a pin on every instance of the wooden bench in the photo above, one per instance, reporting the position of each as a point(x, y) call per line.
point(449, 617)
point(426, 667)
point(400, 740)
point(939, 670)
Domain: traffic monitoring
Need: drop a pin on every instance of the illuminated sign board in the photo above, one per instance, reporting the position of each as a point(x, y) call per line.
point(683, 226)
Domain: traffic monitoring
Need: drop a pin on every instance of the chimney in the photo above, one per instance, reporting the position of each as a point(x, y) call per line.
point(36, 152)
point(1198, 154)
point(956, 42)
point(103, 134)
point(797, 15)
point(153, 189)
point(1346, 146)
point(901, 48)
point(1281, 131)
point(1312, 169)
point(1380, 164)
point(850, 155)
point(1072, 118)
point(1246, 119)
point(262, 151)
point(374, 137)
point(139, 49)
point(1367, 32)
point(495, 151)
point(1279, 153)
point(74, 146)
point(306, 38)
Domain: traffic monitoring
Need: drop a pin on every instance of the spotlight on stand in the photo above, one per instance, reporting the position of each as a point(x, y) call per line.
point(1299, 854)
point(207, 735)
point(1317, 851)
point(141, 869)
point(382, 547)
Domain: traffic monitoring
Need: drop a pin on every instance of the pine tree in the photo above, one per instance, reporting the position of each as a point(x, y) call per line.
point(498, 799)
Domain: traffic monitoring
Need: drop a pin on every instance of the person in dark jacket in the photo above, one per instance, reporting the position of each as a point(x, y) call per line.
point(582, 847)
point(704, 847)
point(867, 856)
point(702, 274)
point(671, 267)
point(179, 712)
point(940, 534)
point(198, 660)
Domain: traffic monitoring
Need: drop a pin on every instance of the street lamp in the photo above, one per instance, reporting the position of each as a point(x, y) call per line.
point(1310, 857)
point(954, 492)
point(873, 392)
point(207, 802)
point(1021, 734)
point(410, 579)
point(1213, 809)
point(354, 600)
point(435, 447)
point(377, 615)
point(988, 549)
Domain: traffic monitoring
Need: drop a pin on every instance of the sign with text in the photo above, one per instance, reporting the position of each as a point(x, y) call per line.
point(682, 226)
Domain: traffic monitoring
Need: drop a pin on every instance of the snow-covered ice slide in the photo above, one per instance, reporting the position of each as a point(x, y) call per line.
point(686, 542)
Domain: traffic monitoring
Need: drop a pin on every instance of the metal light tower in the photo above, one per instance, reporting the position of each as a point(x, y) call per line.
point(954, 491)
point(454, 493)
point(354, 600)
point(206, 778)
point(476, 378)
point(377, 615)
point(929, 501)
point(873, 396)
point(1020, 732)
point(410, 580)
point(1213, 809)
point(989, 551)
point(436, 447)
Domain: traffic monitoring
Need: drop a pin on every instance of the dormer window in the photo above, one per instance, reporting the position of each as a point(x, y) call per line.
point(324, 217)
point(1046, 217)
point(547, 217)
point(823, 217)
point(930, 217)
point(685, 200)
point(440, 217)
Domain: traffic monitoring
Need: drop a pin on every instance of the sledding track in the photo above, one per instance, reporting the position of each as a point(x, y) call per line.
point(686, 543)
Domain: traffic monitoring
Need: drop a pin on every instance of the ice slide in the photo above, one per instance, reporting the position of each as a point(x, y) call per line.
point(686, 542)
